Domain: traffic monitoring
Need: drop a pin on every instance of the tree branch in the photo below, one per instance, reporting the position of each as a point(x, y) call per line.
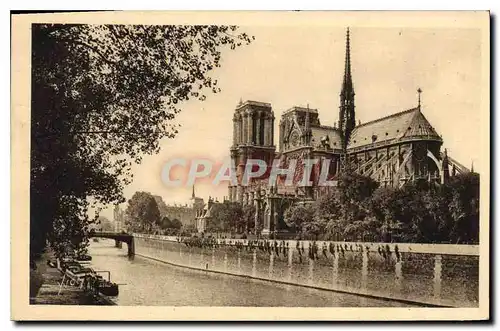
point(82, 43)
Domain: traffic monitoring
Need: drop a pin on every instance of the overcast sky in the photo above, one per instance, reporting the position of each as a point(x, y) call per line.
point(296, 66)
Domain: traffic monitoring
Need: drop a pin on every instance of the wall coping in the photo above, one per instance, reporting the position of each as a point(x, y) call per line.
point(438, 249)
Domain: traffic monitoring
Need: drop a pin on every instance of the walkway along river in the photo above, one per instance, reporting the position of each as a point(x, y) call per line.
point(149, 282)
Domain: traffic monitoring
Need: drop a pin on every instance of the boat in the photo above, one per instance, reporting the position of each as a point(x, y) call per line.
point(84, 257)
point(108, 288)
point(87, 278)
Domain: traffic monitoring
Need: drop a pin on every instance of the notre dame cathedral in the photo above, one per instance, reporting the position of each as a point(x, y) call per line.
point(393, 150)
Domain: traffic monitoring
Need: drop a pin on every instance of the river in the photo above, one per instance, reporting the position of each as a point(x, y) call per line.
point(147, 282)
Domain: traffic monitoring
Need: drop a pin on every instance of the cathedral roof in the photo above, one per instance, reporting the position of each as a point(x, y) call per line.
point(319, 132)
point(406, 125)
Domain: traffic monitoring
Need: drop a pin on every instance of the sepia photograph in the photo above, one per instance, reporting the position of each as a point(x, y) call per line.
point(250, 166)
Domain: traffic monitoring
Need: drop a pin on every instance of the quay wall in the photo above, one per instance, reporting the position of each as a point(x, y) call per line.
point(433, 274)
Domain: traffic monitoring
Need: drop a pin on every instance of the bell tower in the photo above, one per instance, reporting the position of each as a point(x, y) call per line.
point(253, 138)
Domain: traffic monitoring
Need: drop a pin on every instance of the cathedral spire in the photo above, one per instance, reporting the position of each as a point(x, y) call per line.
point(347, 84)
point(192, 194)
point(347, 117)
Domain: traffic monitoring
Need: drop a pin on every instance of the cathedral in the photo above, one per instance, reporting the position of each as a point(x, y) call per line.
point(393, 150)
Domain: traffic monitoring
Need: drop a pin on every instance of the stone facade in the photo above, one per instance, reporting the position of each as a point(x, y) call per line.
point(393, 150)
point(185, 213)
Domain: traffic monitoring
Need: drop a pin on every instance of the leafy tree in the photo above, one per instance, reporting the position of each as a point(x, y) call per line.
point(345, 209)
point(464, 207)
point(176, 224)
point(355, 188)
point(299, 217)
point(162, 206)
point(165, 222)
point(248, 219)
point(105, 224)
point(142, 214)
point(366, 229)
point(102, 97)
point(226, 216)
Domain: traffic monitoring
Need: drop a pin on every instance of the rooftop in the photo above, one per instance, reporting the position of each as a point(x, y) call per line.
point(302, 109)
point(253, 103)
point(407, 124)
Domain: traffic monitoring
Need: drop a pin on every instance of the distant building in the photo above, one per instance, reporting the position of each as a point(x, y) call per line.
point(204, 216)
point(185, 213)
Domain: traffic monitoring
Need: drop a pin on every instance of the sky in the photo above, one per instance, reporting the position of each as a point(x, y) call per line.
point(295, 65)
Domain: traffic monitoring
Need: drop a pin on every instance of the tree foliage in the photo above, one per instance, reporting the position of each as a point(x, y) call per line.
point(102, 97)
point(248, 219)
point(414, 213)
point(142, 214)
point(104, 224)
point(176, 224)
point(299, 216)
point(359, 211)
point(225, 217)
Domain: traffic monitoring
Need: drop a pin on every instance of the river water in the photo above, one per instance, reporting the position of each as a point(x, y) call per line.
point(147, 282)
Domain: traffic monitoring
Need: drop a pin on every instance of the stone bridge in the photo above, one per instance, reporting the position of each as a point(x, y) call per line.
point(119, 237)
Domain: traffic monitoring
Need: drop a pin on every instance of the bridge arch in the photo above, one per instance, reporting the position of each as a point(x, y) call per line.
point(119, 238)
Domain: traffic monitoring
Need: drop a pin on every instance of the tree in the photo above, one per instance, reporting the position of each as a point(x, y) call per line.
point(165, 222)
point(105, 224)
point(341, 212)
point(248, 219)
point(327, 213)
point(142, 214)
point(102, 97)
point(355, 188)
point(176, 224)
point(299, 215)
point(226, 217)
point(162, 206)
point(463, 191)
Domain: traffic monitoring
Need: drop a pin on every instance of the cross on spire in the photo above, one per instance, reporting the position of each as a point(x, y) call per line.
point(419, 91)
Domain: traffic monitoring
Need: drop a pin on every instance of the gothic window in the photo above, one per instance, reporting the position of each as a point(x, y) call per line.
point(294, 139)
point(254, 129)
point(262, 132)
